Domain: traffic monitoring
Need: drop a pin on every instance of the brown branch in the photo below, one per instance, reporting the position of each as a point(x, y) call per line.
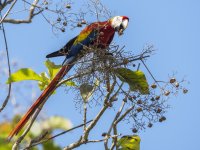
point(59, 134)
point(113, 123)
point(4, 4)
point(8, 11)
point(30, 17)
point(83, 139)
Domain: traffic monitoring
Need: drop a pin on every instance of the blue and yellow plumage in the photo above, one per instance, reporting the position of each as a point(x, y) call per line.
point(99, 34)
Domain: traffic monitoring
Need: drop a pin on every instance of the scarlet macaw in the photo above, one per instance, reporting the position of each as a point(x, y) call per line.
point(99, 34)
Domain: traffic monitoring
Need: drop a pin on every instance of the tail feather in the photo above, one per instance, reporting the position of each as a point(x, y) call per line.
point(56, 54)
point(63, 51)
point(49, 90)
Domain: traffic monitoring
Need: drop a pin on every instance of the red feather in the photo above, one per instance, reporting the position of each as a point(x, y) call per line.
point(106, 34)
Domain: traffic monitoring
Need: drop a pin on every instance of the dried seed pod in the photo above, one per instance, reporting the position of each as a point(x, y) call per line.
point(134, 130)
point(185, 91)
point(62, 29)
point(68, 6)
point(64, 23)
point(150, 125)
point(139, 102)
point(153, 86)
point(176, 84)
point(158, 110)
point(167, 93)
point(83, 21)
point(130, 98)
point(134, 97)
point(139, 109)
point(152, 99)
point(79, 24)
point(163, 118)
point(157, 97)
point(172, 80)
point(58, 19)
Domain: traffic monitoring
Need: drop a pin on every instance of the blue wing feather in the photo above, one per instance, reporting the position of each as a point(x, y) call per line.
point(76, 48)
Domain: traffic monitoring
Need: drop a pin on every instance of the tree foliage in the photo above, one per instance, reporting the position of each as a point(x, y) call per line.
point(98, 79)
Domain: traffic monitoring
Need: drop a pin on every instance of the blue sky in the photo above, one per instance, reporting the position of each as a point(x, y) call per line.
point(171, 25)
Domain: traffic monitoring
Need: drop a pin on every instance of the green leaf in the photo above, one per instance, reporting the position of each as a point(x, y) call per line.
point(24, 74)
point(70, 83)
point(87, 90)
point(52, 68)
point(50, 145)
point(45, 81)
point(136, 79)
point(5, 145)
point(129, 142)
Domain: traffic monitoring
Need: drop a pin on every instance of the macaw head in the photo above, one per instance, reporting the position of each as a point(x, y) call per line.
point(119, 23)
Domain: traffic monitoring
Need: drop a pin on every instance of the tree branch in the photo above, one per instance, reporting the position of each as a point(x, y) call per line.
point(9, 69)
point(59, 134)
point(8, 11)
point(30, 17)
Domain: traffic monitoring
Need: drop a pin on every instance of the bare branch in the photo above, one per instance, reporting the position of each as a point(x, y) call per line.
point(30, 17)
point(4, 4)
point(8, 11)
point(52, 137)
point(9, 69)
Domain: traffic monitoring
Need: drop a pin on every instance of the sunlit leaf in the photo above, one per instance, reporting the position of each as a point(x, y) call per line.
point(24, 74)
point(45, 81)
point(87, 90)
point(3, 146)
point(136, 79)
point(129, 142)
point(56, 122)
point(70, 83)
point(52, 68)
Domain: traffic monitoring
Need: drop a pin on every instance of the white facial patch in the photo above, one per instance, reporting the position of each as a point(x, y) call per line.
point(125, 23)
point(116, 21)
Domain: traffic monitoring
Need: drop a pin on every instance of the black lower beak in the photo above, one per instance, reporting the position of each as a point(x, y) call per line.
point(120, 29)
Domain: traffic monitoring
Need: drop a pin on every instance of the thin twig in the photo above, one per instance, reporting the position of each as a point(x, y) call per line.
point(30, 17)
point(150, 73)
point(6, 14)
point(9, 69)
point(113, 123)
point(59, 134)
point(84, 115)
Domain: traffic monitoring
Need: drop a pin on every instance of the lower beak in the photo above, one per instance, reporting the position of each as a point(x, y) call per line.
point(120, 32)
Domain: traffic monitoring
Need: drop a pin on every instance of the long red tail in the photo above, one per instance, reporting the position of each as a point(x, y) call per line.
point(49, 90)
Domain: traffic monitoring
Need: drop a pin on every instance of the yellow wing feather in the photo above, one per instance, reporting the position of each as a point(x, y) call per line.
point(83, 35)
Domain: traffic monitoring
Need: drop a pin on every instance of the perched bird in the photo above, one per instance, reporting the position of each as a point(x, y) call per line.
point(129, 142)
point(99, 34)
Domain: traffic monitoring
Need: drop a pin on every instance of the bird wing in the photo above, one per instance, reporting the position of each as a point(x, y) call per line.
point(63, 51)
point(85, 38)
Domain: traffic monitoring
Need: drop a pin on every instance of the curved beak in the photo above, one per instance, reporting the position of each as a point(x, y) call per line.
point(122, 27)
